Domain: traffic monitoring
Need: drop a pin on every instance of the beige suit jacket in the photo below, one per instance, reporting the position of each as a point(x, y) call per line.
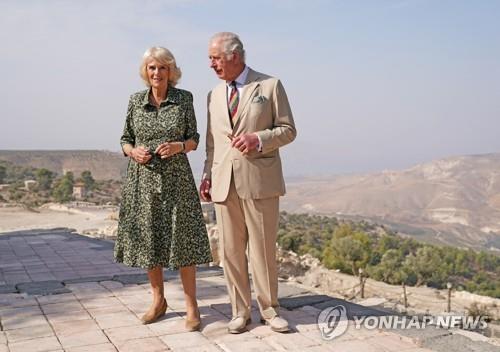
point(263, 109)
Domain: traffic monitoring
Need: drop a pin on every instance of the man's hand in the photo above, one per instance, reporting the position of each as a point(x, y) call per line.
point(245, 143)
point(205, 187)
point(140, 155)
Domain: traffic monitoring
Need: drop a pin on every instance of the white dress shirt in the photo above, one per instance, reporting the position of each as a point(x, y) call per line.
point(240, 82)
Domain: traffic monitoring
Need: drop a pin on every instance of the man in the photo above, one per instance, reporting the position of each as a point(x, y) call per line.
point(249, 119)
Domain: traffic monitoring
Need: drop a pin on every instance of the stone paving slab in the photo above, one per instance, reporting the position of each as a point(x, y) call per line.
point(108, 330)
point(44, 261)
point(64, 322)
point(100, 309)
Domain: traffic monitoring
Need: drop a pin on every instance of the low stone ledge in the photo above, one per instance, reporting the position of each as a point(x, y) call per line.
point(42, 288)
point(291, 303)
point(8, 289)
point(88, 279)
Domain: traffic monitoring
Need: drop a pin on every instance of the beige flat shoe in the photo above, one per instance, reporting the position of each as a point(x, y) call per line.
point(194, 324)
point(276, 323)
point(152, 317)
point(238, 325)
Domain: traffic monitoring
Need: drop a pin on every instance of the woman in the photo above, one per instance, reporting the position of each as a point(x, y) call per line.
point(161, 221)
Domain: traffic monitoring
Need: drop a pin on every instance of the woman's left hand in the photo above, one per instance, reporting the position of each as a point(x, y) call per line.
point(167, 149)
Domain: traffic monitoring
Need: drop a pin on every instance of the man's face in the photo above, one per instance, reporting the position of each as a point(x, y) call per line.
point(226, 69)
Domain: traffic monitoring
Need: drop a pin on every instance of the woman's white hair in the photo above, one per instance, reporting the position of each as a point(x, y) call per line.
point(230, 43)
point(164, 57)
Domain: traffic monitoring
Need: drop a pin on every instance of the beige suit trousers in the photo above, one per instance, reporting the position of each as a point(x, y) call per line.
point(252, 223)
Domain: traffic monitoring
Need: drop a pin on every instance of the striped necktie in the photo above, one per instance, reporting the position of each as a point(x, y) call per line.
point(234, 99)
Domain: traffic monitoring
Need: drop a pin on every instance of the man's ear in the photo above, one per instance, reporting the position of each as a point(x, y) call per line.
point(236, 58)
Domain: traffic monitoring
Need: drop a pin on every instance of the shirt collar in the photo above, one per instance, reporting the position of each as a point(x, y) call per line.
point(241, 79)
point(172, 96)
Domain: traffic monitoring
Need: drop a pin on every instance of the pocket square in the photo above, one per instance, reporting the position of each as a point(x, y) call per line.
point(259, 99)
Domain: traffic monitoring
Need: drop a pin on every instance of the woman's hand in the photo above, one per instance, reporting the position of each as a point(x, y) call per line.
point(167, 149)
point(140, 155)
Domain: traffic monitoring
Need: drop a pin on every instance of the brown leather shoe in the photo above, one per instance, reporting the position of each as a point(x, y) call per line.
point(152, 317)
point(194, 324)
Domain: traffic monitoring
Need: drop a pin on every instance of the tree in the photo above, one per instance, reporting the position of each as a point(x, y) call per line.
point(344, 230)
point(426, 265)
point(3, 173)
point(385, 256)
point(44, 178)
point(88, 180)
point(350, 251)
point(290, 241)
point(390, 268)
point(63, 190)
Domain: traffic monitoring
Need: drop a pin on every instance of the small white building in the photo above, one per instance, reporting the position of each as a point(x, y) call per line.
point(30, 185)
point(79, 190)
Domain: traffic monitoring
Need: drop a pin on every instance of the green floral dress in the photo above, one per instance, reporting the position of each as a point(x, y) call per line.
point(161, 221)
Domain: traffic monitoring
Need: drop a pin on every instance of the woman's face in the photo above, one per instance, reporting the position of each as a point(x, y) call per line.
point(157, 74)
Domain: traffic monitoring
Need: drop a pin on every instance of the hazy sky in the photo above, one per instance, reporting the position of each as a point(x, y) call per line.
point(373, 84)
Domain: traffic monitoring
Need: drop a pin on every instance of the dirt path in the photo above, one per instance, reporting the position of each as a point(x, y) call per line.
point(82, 220)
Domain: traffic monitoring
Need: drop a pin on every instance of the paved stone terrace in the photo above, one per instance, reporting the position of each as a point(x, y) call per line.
point(60, 291)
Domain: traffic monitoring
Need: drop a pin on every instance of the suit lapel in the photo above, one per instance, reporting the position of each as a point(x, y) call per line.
point(250, 86)
point(220, 99)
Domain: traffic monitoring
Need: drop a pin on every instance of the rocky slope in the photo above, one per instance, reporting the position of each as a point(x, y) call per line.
point(454, 200)
point(104, 165)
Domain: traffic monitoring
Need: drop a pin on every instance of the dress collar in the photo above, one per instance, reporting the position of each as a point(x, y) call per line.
point(172, 96)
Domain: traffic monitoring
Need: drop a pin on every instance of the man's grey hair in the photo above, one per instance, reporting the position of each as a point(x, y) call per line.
point(230, 43)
